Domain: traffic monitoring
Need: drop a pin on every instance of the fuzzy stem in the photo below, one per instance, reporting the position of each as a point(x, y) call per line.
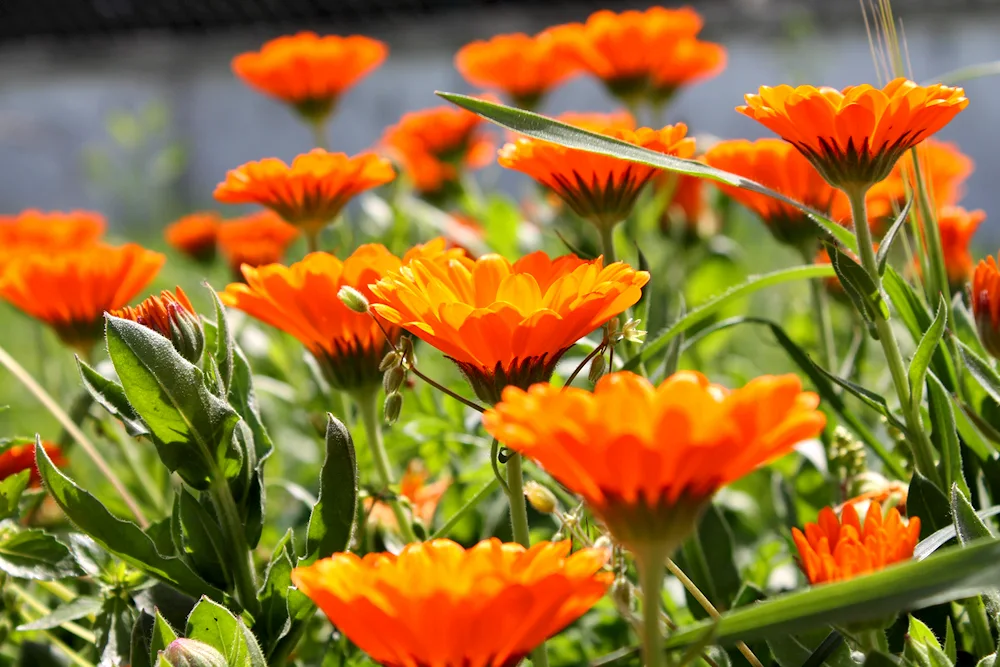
point(651, 574)
point(607, 242)
point(938, 278)
point(233, 532)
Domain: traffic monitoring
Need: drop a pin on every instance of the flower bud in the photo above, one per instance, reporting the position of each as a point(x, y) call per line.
point(393, 379)
point(191, 653)
point(353, 299)
point(392, 407)
point(986, 304)
point(389, 360)
point(621, 592)
point(543, 500)
point(172, 316)
point(597, 367)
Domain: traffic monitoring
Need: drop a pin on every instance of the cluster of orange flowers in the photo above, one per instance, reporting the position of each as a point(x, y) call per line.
point(254, 239)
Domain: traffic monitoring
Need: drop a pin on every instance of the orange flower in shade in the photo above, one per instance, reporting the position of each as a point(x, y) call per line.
point(957, 227)
point(302, 300)
point(308, 71)
point(311, 192)
point(172, 316)
point(439, 604)
point(523, 67)
point(256, 239)
point(18, 458)
point(778, 166)
point(423, 497)
point(195, 235)
point(433, 146)
point(502, 323)
point(986, 304)
point(854, 137)
point(71, 290)
point(647, 459)
point(839, 549)
point(598, 188)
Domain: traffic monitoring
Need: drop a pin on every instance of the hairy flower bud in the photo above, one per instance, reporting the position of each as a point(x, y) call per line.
point(543, 500)
point(172, 316)
point(191, 653)
point(597, 367)
point(353, 299)
point(389, 360)
point(392, 407)
point(393, 379)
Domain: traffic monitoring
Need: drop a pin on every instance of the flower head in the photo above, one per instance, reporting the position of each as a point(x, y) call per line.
point(854, 137)
point(944, 169)
point(837, 549)
point(423, 497)
point(433, 145)
point(599, 188)
point(439, 604)
point(71, 290)
point(255, 239)
point(195, 235)
point(17, 458)
point(986, 304)
point(957, 227)
point(311, 191)
point(646, 459)
point(681, 63)
point(778, 166)
point(308, 71)
point(33, 231)
point(172, 316)
point(522, 66)
point(502, 323)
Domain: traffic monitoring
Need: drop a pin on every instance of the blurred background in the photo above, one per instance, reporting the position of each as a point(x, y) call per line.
point(129, 106)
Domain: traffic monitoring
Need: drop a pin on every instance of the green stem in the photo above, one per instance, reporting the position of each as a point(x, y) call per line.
point(821, 308)
point(232, 530)
point(922, 448)
point(981, 635)
point(937, 282)
point(472, 503)
point(368, 407)
point(319, 133)
point(873, 640)
point(607, 242)
point(39, 608)
point(312, 241)
point(149, 487)
point(651, 574)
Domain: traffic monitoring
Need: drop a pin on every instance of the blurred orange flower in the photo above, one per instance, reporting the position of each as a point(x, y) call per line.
point(502, 323)
point(33, 230)
point(598, 188)
point(423, 497)
point(172, 316)
point(72, 289)
point(684, 62)
point(433, 145)
point(779, 166)
point(17, 458)
point(957, 227)
point(839, 549)
point(524, 67)
point(647, 459)
point(195, 235)
point(309, 71)
point(986, 304)
point(437, 603)
point(595, 121)
point(312, 191)
point(943, 167)
point(255, 239)
point(854, 137)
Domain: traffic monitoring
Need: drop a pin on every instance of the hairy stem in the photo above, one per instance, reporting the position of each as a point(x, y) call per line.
point(232, 530)
point(651, 574)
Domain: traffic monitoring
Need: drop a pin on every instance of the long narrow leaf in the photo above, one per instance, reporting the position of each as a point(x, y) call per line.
point(882, 256)
point(922, 357)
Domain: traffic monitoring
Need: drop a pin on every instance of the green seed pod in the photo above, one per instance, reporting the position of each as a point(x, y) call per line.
point(389, 360)
point(393, 405)
point(393, 379)
point(353, 299)
point(597, 367)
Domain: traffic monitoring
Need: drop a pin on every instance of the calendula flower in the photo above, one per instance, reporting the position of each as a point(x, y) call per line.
point(308, 71)
point(172, 316)
point(986, 304)
point(310, 192)
point(18, 458)
point(599, 188)
point(255, 239)
point(195, 235)
point(423, 497)
point(944, 169)
point(523, 67)
point(434, 145)
point(780, 167)
point(34, 230)
point(837, 549)
point(596, 121)
point(502, 323)
point(854, 137)
point(682, 62)
point(647, 459)
point(439, 604)
point(72, 289)
point(957, 227)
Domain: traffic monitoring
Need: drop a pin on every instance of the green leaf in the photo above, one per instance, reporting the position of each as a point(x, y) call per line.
point(910, 308)
point(10, 492)
point(967, 73)
point(920, 633)
point(925, 500)
point(110, 395)
point(940, 537)
point(139, 650)
point(254, 654)
point(859, 286)
point(672, 358)
point(795, 650)
point(548, 129)
point(882, 254)
point(331, 522)
point(950, 645)
point(949, 575)
point(114, 632)
point(963, 325)
point(702, 312)
point(79, 608)
point(223, 353)
point(216, 626)
point(162, 635)
point(273, 621)
point(922, 357)
point(201, 539)
point(969, 432)
point(944, 433)
point(122, 538)
point(707, 558)
point(34, 554)
point(981, 370)
point(191, 427)
point(875, 401)
point(879, 659)
point(244, 399)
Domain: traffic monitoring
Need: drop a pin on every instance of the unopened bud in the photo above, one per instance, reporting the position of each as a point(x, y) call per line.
point(192, 653)
point(393, 379)
point(389, 360)
point(392, 407)
point(597, 367)
point(621, 592)
point(172, 316)
point(543, 500)
point(353, 299)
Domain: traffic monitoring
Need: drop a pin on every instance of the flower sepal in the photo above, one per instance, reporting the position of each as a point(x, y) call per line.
point(184, 652)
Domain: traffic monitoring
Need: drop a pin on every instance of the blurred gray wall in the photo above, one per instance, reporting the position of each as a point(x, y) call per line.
point(55, 98)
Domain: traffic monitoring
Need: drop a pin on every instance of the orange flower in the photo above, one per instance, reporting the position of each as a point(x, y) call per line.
point(34, 230)
point(683, 62)
point(957, 227)
point(596, 121)
point(311, 192)
point(524, 67)
point(434, 144)
point(855, 136)
point(256, 239)
point(423, 497)
point(986, 304)
point(506, 323)
point(309, 71)
point(647, 459)
point(836, 550)
point(440, 604)
point(17, 458)
point(599, 188)
point(195, 235)
point(778, 166)
point(943, 167)
point(71, 290)
point(173, 317)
